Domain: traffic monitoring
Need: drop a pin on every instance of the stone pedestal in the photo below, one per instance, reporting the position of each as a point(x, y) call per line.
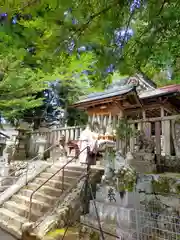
point(8, 151)
point(144, 162)
point(120, 212)
point(59, 154)
point(4, 172)
point(41, 146)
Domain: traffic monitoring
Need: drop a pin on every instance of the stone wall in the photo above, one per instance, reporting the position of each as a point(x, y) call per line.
point(171, 163)
point(145, 162)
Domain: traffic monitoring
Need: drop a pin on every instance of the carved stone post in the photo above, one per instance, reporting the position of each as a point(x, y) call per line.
point(5, 160)
point(8, 151)
point(41, 141)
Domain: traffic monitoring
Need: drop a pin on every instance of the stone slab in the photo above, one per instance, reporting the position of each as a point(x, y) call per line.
point(126, 201)
point(21, 182)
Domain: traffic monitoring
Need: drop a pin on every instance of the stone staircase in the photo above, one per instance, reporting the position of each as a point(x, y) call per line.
point(15, 211)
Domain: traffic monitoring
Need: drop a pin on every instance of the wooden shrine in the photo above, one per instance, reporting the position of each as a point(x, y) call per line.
point(146, 107)
point(134, 98)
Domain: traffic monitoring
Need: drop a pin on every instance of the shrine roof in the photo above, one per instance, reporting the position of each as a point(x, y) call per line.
point(111, 92)
point(143, 88)
point(166, 90)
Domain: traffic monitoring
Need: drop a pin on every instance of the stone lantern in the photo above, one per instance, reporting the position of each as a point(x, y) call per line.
point(21, 141)
point(41, 141)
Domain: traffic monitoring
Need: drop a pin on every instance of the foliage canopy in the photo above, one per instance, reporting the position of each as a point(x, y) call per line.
point(42, 41)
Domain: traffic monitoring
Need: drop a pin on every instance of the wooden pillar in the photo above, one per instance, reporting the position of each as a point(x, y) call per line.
point(114, 122)
point(158, 143)
point(109, 119)
point(132, 138)
point(163, 130)
point(76, 134)
point(167, 137)
point(105, 122)
point(120, 145)
point(99, 119)
point(166, 134)
point(146, 125)
point(89, 119)
point(93, 118)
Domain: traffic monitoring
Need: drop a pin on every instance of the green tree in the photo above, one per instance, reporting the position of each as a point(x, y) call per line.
point(24, 73)
point(49, 29)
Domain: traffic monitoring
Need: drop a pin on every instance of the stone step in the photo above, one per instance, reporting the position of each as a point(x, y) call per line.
point(39, 196)
point(45, 189)
point(75, 167)
point(11, 222)
point(52, 183)
point(67, 172)
point(21, 210)
point(10, 230)
point(57, 177)
point(36, 205)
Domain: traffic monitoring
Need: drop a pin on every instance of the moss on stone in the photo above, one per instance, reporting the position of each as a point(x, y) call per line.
point(57, 234)
point(94, 236)
point(166, 184)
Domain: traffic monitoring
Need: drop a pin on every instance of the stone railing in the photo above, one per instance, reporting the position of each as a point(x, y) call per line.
point(52, 137)
point(164, 132)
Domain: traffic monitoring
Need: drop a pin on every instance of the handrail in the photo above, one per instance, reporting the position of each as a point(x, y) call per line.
point(29, 161)
point(4, 135)
point(62, 197)
point(62, 168)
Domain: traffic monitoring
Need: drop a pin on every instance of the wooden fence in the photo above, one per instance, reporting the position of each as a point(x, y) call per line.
point(165, 131)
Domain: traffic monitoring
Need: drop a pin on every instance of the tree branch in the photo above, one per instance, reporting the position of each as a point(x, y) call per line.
point(84, 26)
point(95, 15)
point(150, 26)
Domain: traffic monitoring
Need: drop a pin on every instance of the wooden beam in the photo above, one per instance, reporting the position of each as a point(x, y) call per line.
point(167, 106)
point(156, 119)
point(145, 107)
point(119, 105)
point(98, 102)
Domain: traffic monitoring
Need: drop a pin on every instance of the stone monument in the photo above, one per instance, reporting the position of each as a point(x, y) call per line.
point(144, 156)
point(116, 200)
point(5, 160)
